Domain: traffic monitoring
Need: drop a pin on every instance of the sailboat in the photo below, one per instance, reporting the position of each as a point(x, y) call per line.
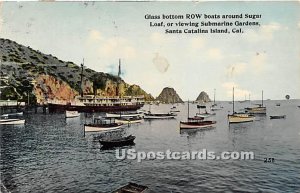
point(239, 117)
point(214, 106)
point(205, 114)
point(258, 110)
point(195, 122)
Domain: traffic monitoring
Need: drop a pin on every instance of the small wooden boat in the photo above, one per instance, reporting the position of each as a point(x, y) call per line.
point(278, 117)
point(150, 115)
point(192, 124)
point(239, 117)
point(205, 114)
point(12, 114)
point(132, 188)
point(128, 120)
point(117, 142)
point(257, 110)
point(124, 114)
point(101, 125)
point(196, 122)
point(72, 114)
point(12, 121)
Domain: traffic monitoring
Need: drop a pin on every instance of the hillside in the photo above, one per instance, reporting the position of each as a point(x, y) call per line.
point(25, 70)
point(169, 95)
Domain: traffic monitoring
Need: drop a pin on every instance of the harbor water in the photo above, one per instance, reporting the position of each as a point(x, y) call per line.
point(50, 154)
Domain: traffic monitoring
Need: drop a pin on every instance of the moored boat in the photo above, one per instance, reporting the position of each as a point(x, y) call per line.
point(150, 115)
point(124, 114)
point(257, 110)
point(132, 188)
point(278, 117)
point(129, 120)
point(101, 125)
point(117, 142)
point(196, 122)
point(12, 121)
point(239, 117)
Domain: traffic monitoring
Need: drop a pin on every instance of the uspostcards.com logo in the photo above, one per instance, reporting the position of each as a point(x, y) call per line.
point(132, 154)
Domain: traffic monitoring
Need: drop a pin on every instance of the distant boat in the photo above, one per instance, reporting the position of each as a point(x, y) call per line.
point(129, 120)
point(205, 114)
point(124, 114)
point(150, 115)
point(117, 142)
point(132, 188)
point(239, 117)
point(72, 114)
point(257, 110)
point(12, 121)
point(196, 123)
point(277, 104)
point(278, 117)
point(12, 114)
point(100, 125)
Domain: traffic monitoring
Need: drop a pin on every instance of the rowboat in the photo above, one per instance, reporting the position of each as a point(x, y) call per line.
point(12, 114)
point(128, 120)
point(159, 115)
point(101, 125)
point(12, 121)
point(278, 117)
point(72, 114)
point(132, 188)
point(117, 142)
point(196, 122)
point(124, 114)
point(239, 117)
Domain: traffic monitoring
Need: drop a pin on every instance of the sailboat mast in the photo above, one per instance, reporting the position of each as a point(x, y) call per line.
point(81, 79)
point(214, 96)
point(188, 109)
point(233, 100)
point(262, 98)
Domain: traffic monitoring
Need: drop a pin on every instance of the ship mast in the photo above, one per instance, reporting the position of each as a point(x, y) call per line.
point(118, 81)
point(262, 98)
point(81, 79)
point(233, 100)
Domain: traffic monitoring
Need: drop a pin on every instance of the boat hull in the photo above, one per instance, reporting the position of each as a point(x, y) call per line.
point(128, 121)
point(240, 118)
point(12, 122)
point(117, 143)
point(197, 125)
point(256, 110)
point(54, 108)
point(159, 116)
point(100, 128)
point(115, 115)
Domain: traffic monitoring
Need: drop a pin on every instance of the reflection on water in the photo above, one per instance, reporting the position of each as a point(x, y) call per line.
point(50, 154)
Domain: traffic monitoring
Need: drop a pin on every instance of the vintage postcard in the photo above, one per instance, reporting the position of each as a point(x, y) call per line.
point(124, 96)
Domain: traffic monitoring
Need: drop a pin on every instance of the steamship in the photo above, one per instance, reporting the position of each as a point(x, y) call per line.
point(91, 103)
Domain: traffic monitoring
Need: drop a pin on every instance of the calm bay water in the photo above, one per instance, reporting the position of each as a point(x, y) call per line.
point(50, 154)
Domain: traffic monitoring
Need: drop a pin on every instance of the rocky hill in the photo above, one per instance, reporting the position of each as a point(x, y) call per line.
point(25, 70)
point(169, 95)
point(203, 97)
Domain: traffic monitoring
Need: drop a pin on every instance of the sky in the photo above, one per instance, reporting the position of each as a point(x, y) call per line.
point(265, 57)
